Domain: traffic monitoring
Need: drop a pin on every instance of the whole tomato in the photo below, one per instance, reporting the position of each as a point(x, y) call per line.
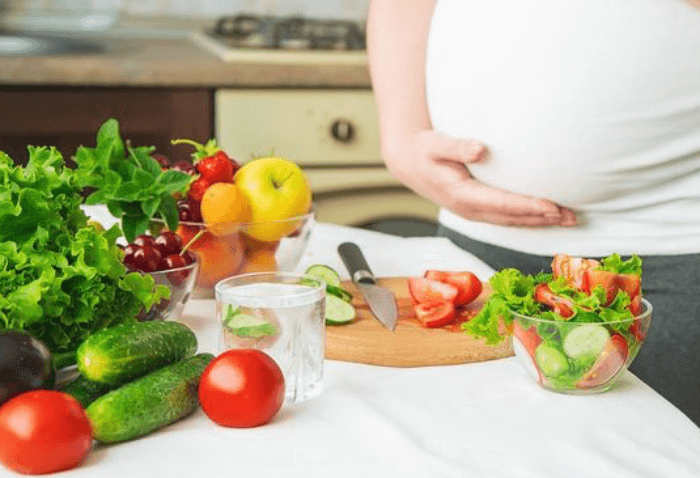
point(43, 431)
point(241, 388)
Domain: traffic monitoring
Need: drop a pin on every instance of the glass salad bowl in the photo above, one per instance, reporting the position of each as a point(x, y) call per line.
point(240, 248)
point(579, 357)
point(181, 282)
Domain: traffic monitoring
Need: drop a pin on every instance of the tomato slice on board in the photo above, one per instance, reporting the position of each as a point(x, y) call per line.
point(435, 314)
point(561, 305)
point(572, 269)
point(427, 291)
point(467, 283)
point(608, 364)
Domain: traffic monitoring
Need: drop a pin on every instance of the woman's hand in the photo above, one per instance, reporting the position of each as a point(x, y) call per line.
point(435, 166)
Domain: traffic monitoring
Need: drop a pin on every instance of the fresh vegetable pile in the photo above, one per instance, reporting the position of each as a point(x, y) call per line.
point(577, 326)
point(61, 279)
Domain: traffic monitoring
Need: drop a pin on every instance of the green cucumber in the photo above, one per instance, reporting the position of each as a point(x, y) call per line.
point(339, 292)
point(338, 311)
point(325, 273)
point(86, 391)
point(551, 361)
point(119, 354)
point(151, 402)
point(586, 340)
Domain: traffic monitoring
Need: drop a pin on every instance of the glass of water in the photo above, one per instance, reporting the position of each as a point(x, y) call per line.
point(282, 314)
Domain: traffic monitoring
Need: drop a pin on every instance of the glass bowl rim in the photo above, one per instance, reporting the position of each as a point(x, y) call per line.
point(302, 217)
point(294, 275)
point(644, 315)
point(169, 271)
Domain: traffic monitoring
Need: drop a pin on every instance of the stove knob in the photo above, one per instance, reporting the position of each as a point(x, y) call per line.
point(342, 131)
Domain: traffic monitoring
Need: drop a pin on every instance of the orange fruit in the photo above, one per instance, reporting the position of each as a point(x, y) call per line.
point(262, 260)
point(223, 208)
point(219, 257)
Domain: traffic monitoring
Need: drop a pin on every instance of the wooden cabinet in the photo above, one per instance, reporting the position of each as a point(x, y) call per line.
point(67, 117)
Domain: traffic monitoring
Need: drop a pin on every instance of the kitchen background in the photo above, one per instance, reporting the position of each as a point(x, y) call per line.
point(258, 75)
point(345, 9)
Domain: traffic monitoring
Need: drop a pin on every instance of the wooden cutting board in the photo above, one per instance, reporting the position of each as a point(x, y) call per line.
point(367, 341)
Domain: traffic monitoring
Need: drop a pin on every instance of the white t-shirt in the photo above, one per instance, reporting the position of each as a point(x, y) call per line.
point(594, 104)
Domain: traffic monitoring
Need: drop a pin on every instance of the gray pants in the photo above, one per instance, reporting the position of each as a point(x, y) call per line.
point(669, 361)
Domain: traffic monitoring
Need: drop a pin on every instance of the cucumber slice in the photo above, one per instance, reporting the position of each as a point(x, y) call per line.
point(586, 341)
point(551, 362)
point(325, 273)
point(338, 311)
point(339, 292)
point(246, 325)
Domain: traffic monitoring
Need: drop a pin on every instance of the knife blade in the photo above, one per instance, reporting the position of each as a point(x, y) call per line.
point(381, 300)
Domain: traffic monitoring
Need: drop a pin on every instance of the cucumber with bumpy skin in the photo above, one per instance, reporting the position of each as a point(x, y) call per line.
point(122, 353)
point(86, 391)
point(151, 402)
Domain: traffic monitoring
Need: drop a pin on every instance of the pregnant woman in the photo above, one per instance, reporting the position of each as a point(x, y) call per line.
point(544, 127)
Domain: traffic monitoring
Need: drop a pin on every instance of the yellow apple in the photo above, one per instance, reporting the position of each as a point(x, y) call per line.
point(277, 189)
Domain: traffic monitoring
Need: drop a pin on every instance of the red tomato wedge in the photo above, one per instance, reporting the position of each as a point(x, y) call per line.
point(561, 305)
point(610, 361)
point(612, 282)
point(572, 269)
point(435, 314)
point(527, 339)
point(428, 291)
point(467, 283)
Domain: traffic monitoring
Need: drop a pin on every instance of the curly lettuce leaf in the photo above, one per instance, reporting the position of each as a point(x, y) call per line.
point(60, 279)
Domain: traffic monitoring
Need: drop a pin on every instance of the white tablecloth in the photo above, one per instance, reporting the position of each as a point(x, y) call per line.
point(477, 420)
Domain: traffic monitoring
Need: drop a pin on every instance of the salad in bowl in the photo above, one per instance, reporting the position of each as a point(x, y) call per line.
point(577, 328)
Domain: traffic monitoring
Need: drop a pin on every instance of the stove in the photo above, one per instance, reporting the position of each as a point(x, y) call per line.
point(274, 39)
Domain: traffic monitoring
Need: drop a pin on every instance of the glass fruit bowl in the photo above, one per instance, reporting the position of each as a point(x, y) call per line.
point(579, 357)
point(240, 248)
point(181, 282)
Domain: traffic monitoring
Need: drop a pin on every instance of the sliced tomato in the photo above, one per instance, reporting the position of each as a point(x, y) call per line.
point(612, 282)
point(467, 283)
point(440, 276)
point(427, 291)
point(525, 341)
point(608, 364)
point(561, 305)
point(636, 330)
point(528, 337)
point(572, 269)
point(435, 314)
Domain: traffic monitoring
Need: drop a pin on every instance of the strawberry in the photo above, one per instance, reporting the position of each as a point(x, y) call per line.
point(211, 162)
point(197, 189)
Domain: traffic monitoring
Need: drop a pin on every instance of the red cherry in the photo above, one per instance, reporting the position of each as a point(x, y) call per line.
point(197, 189)
point(189, 211)
point(173, 261)
point(147, 259)
point(143, 240)
point(162, 160)
point(189, 257)
point(129, 252)
point(184, 166)
point(168, 242)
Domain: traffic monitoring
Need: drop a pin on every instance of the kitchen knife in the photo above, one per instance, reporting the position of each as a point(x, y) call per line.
point(381, 300)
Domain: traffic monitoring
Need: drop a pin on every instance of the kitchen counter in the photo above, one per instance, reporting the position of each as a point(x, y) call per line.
point(483, 419)
point(162, 54)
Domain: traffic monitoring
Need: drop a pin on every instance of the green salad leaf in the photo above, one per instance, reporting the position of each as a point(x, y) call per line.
point(60, 278)
point(614, 263)
point(129, 181)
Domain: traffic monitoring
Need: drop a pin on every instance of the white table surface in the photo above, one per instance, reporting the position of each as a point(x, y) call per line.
point(475, 420)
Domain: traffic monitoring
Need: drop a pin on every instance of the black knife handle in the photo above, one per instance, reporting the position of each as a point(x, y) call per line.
point(356, 263)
